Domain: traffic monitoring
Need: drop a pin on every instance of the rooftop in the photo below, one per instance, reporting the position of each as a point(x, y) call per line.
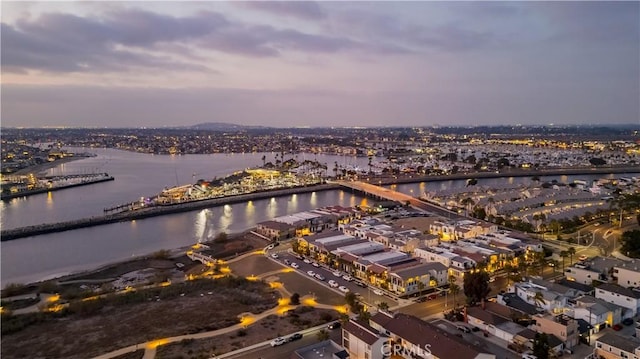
point(627, 343)
point(324, 349)
point(614, 288)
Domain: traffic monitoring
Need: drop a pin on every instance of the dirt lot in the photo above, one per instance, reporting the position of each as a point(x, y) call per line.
point(100, 328)
point(267, 329)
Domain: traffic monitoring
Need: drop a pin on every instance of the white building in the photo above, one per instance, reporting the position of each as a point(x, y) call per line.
point(628, 273)
point(624, 297)
point(614, 346)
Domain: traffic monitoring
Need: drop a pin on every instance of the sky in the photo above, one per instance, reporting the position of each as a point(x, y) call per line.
point(285, 64)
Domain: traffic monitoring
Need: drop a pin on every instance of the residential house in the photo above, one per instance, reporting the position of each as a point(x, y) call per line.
point(628, 273)
point(614, 346)
point(363, 342)
point(406, 281)
point(562, 326)
point(597, 312)
point(628, 298)
point(275, 230)
point(598, 269)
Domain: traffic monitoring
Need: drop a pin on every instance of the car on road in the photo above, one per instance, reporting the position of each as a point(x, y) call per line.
point(333, 283)
point(319, 276)
point(287, 262)
point(274, 255)
point(307, 260)
point(278, 341)
point(334, 325)
point(295, 265)
point(315, 264)
point(311, 273)
point(299, 257)
point(378, 292)
point(347, 277)
point(271, 246)
point(337, 274)
point(360, 284)
point(343, 289)
point(294, 337)
point(628, 321)
point(462, 328)
point(617, 327)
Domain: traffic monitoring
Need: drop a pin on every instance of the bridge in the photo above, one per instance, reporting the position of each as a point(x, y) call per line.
point(378, 192)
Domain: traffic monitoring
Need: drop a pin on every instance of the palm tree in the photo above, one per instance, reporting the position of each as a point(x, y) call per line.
point(538, 298)
point(571, 252)
point(564, 255)
point(421, 287)
point(264, 159)
point(467, 203)
point(453, 289)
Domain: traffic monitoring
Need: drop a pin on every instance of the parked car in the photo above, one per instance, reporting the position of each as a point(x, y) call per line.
point(628, 321)
point(462, 328)
point(492, 279)
point(307, 260)
point(300, 257)
point(274, 255)
point(319, 276)
point(378, 292)
point(286, 261)
point(334, 325)
point(343, 289)
point(347, 277)
point(337, 274)
point(311, 273)
point(360, 284)
point(315, 264)
point(278, 341)
point(294, 337)
point(295, 265)
point(617, 327)
point(529, 356)
point(333, 284)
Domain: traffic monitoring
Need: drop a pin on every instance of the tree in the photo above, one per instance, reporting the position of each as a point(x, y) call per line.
point(421, 287)
point(630, 243)
point(541, 346)
point(454, 288)
point(476, 286)
point(571, 252)
point(295, 299)
point(322, 335)
point(597, 161)
point(351, 299)
point(264, 159)
point(564, 255)
point(383, 306)
point(538, 298)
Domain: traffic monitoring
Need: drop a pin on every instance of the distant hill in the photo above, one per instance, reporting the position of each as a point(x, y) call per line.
point(221, 126)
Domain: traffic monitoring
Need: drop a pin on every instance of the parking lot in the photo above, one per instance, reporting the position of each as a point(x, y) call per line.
point(366, 294)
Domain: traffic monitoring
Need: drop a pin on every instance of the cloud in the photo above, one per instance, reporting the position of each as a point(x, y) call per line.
point(306, 10)
point(124, 39)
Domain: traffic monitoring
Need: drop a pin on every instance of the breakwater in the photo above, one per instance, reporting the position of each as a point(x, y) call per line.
point(8, 196)
point(28, 231)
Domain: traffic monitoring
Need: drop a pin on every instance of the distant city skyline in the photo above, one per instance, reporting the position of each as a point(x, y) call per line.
point(285, 64)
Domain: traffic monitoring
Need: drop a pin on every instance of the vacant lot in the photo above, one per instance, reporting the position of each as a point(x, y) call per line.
point(95, 327)
point(267, 329)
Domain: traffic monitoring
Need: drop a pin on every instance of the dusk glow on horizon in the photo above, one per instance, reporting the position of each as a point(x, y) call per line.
point(281, 64)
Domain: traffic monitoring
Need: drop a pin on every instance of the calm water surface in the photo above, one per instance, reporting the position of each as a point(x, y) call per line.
point(35, 258)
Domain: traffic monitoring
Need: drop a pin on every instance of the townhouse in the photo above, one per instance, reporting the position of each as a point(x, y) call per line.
point(628, 273)
point(628, 298)
point(561, 326)
point(598, 269)
point(597, 312)
point(614, 346)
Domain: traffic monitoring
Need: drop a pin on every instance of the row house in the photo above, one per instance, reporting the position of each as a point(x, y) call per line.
point(407, 281)
point(276, 231)
point(628, 298)
point(562, 326)
point(360, 227)
point(598, 269)
point(598, 313)
point(412, 337)
point(614, 346)
point(628, 273)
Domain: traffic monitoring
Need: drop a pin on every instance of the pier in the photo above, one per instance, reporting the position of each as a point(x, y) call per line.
point(70, 181)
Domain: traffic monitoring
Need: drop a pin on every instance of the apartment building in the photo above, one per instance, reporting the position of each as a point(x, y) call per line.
point(599, 313)
point(363, 342)
point(599, 269)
